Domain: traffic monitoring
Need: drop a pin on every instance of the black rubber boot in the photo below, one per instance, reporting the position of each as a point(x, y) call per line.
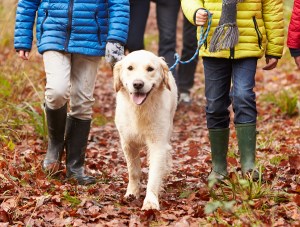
point(246, 135)
point(77, 132)
point(56, 123)
point(219, 139)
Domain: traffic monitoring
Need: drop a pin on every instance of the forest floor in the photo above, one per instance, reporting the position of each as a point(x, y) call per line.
point(28, 197)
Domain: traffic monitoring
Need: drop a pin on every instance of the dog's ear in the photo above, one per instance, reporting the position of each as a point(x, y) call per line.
point(165, 73)
point(117, 73)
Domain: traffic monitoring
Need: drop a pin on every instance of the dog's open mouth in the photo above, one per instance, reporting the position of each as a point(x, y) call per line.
point(139, 98)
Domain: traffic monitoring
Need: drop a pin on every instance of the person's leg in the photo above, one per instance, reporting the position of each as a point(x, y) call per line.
point(83, 76)
point(242, 94)
point(217, 86)
point(244, 106)
point(57, 92)
point(217, 73)
point(139, 11)
point(186, 72)
point(58, 71)
point(167, 14)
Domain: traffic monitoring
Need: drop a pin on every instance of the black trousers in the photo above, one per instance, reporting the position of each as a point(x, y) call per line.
point(186, 72)
point(167, 21)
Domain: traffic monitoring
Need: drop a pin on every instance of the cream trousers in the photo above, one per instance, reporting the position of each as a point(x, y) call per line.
point(70, 77)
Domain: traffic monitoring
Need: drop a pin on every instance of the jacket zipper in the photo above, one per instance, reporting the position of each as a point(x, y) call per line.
point(259, 35)
point(69, 27)
point(98, 28)
point(231, 56)
point(42, 24)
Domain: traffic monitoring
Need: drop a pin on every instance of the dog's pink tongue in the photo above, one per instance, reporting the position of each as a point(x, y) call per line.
point(138, 98)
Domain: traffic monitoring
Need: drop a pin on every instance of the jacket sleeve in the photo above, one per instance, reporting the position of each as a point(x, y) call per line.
point(293, 39)
point(118, 20)
point(274, 25)
point(190, 7)
point(25, 18)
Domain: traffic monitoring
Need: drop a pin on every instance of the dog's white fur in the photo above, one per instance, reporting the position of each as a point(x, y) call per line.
point(148, 124)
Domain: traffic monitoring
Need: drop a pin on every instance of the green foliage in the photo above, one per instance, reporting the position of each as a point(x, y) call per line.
point(20, 86)
point(212, 206)
point(149, 40)
point(185, 194)
point(266, 140)
point(99, 119)
point(231, 153)
point(37, 120)
point(285, 100)
point(241, 197)
point(20, 101)
point(5, 87)
point(71, 199)
point(277, 159)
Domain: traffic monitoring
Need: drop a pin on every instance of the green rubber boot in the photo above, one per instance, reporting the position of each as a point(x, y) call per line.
point(246, 136)
point(219, 146)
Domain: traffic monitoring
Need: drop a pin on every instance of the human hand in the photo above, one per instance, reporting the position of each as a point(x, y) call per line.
point(201, 17)
point(114, 52)
point(24, 54)
point(271, 63)
point(297, 61)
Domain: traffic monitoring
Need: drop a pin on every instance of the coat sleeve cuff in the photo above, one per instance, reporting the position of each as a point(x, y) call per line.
point(26, 50)
point(115, 41)
point(272, 56)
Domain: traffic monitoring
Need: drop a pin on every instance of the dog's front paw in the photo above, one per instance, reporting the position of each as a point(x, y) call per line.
point(132, 192)
point(151, 202)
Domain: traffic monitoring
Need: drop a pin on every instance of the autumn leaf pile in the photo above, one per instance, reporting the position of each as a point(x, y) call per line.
point(29, 197)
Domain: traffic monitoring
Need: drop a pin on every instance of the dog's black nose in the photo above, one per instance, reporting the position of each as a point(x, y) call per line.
point(138, 84)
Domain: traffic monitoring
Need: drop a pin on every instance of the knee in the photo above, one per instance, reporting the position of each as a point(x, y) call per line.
point(243, 97)
point(56, 98)
point(217, 108)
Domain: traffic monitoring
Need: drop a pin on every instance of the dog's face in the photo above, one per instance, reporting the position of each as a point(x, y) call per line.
point(140, 73)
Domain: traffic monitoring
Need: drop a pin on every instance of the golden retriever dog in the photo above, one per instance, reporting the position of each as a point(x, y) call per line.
point(146, 102)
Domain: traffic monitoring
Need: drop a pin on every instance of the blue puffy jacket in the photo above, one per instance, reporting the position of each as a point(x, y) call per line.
point(72, 26)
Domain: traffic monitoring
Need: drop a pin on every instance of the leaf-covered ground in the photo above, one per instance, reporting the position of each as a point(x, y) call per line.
point(28, 197)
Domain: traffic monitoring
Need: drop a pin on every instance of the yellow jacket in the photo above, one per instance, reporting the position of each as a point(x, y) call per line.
point(260, 24)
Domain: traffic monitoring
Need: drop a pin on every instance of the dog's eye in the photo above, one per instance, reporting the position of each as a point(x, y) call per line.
point(150, 69)
point(130, 68)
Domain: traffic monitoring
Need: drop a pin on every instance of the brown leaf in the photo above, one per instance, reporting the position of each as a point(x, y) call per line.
point(9, 204)
point(56, 199)
point(93, 210)
point(40, 200)
point(182, 223)
point(296, 199)
point(191, 197)
point(4, 217)
point(294, 161)
point(203, 194)
point(49, 216)
point(168, 216)
point(150, 215)
point(78, 222)
point(232, 161)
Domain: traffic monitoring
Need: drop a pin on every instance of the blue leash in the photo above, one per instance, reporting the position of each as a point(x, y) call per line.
point(202, 39)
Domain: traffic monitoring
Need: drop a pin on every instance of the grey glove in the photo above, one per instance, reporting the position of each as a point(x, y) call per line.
point(114, 52)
